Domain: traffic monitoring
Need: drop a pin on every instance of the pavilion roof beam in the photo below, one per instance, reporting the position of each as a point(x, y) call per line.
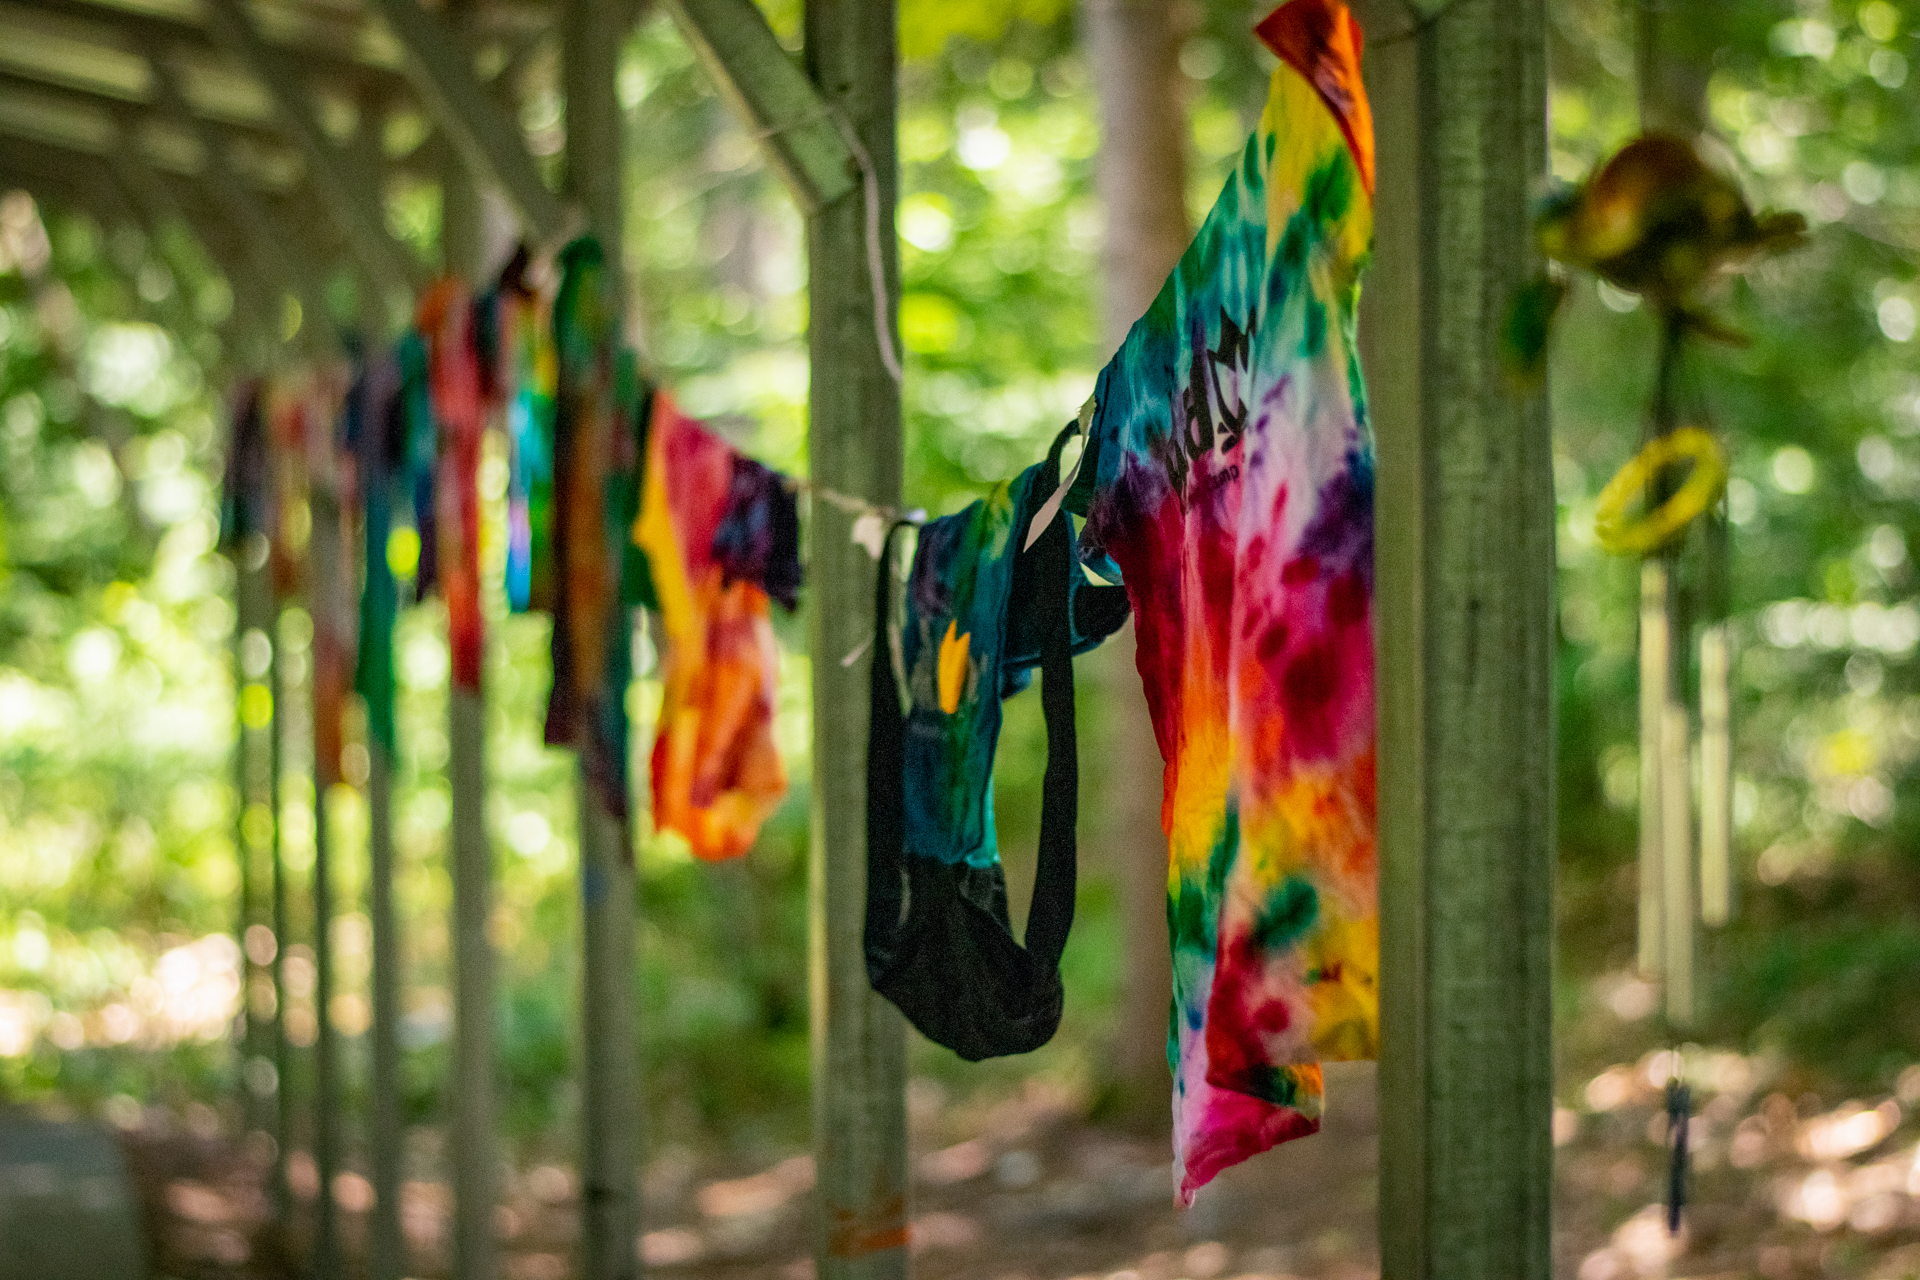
point(113, 27)
point(159, 209)
point(24, 118)
point(490, 140)
point(31, 83)
point(345, 182)
point(143, 121)
point(273, 251)
point(767, 88)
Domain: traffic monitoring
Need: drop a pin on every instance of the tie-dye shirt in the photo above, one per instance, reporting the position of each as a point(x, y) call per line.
point(1228, 482)
point(716, 772)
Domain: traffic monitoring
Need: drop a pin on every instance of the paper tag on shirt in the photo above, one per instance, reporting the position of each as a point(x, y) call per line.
point(1051, 507)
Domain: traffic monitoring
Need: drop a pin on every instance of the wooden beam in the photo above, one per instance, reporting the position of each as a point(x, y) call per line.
point(854, 446)
point(276, 256)
point(250, 329)
point(772, 96)
point(1464, 640)
point(609, 1017)
point(32, 85)
point(350, 189)
point(472, 1119)
point(115, 27)
point(482, 127)
point(34, 119)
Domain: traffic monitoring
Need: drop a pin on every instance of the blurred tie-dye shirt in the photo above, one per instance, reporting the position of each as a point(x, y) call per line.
point(716, 772)
point(1228, 482)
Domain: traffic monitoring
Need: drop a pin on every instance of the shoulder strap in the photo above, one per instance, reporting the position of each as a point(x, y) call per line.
point(886, 785)
point(1043, 583)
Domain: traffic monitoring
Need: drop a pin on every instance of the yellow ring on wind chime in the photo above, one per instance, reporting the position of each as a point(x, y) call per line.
point(1625, 535)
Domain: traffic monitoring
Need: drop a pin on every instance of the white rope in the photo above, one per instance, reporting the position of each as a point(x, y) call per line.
point(876, 260)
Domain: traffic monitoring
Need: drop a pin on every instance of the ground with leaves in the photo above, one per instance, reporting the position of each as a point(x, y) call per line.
point(1023, 1188)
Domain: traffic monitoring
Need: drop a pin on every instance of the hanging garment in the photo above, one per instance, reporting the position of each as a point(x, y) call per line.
point(1228, 482)
point(460, 417)
point(600, 424)
point(375, 436)
point(980, 615)
point(247, 498)
point(317, 422)
point(759, 535)
point(715, 770)
point(520, 369)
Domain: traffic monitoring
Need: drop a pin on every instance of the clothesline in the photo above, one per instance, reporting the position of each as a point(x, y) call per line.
point(1233, 483)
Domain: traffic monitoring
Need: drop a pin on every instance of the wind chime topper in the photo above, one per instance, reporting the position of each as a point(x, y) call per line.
point(1653, 219)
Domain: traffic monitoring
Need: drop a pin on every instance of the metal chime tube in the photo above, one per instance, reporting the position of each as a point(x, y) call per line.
point(1716, 777)
point(1655, 666)
point(1676, 860)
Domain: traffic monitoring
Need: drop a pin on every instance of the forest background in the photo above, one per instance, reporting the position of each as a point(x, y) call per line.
point(117, 695)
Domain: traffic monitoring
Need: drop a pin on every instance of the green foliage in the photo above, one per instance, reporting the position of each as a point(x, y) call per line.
point(1821, 411)
point(116, 809)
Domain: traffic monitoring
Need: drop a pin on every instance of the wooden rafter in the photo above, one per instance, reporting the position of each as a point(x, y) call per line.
point(351, 190)
point(273, 252)
point(770, 92)
point(486, 132)
point(111, 26)
point(31, 88)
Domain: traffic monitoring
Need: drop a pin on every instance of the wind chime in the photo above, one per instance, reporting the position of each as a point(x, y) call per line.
point(1656, 221)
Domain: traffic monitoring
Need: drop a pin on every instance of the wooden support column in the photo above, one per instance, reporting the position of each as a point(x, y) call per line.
point(285, 1105)
point(463, 237)
point(386, 1243)
point(326, 605)
point(609, 1023)
point(253, 655)
point(859, 1101)
point(1465, 586)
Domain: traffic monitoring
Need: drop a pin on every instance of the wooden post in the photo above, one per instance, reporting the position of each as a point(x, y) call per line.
point(610, 1078)
point(252, 653)
point(386, 1243)
point(283, 1055)
point(859, 1104)
point(326, 604)
point(472, 1136)
point(1464, 633)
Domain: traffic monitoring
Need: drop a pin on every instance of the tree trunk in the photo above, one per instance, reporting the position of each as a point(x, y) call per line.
point(1133, 49)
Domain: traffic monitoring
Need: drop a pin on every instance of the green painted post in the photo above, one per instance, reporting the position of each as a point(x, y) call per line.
point(252, 651)
point(1464, 632)
point(474, 1150)
point(326, 604)
point(386, 1242)
point(610, 1033)
point(859, 1107)
point(283, 1054)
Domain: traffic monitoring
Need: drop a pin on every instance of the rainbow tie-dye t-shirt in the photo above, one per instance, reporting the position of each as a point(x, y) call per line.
point(1228, 482)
